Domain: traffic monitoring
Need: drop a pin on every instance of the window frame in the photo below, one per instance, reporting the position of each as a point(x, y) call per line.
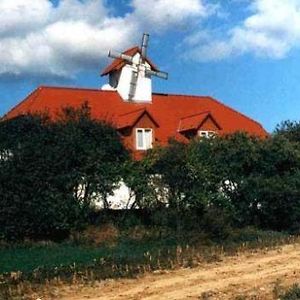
point(143, 130)
point(208, 133)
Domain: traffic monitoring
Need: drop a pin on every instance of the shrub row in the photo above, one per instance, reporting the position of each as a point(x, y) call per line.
point(53, 169)
point(240, 179)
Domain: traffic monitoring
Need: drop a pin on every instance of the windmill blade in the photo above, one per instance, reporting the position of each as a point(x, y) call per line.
point(114, 54)
point(133, 85)
point(144, 47)
point(159, 74)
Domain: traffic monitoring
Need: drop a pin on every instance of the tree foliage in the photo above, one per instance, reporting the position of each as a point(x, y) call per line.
point(51, 172)
point(289, 129)
point(254, 181)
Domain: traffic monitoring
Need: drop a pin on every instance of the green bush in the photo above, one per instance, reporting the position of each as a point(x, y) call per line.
point(256, 182)
point(289, 129)
point(292, 294)
point(53, 171)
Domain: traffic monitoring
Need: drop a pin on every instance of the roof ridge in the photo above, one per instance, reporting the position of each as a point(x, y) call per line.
point(34, 94)
point(72, 88)
point(232, 109)
point(180, 95)
point(132, 48)
point(215, 100)
point(118, 62)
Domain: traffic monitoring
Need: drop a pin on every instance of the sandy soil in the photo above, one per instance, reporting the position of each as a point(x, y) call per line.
point(251, 274)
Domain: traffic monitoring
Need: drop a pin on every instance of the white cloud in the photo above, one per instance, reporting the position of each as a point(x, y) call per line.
point(19, 16)
point(39, 38)
point(90, 11)
point(272, 30)
point(62, 48)
point(161, 14)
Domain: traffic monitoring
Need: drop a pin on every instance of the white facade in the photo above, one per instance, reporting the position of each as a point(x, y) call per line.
point(131, 82)
point(122, 198)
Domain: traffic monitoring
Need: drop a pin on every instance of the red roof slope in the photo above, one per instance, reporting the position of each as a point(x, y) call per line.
point(118, 63)
point(195, 121)
point(167, 110)
point(130, 119)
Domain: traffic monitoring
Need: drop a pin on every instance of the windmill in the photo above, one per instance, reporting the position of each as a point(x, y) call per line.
point(140, 68)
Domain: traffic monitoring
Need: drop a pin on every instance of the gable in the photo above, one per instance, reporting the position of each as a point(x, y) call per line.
point(146, 121)
point(209, 123)
point(132, 118)
point(203, 121)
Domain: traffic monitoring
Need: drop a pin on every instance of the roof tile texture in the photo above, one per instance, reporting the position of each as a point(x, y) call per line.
point(166, 110)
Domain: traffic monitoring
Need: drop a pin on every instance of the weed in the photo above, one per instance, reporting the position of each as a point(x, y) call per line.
point(292, 294)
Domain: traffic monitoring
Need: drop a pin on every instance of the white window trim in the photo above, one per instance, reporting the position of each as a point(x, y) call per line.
point(206, 133)
point(144, 138)
point(5, 154)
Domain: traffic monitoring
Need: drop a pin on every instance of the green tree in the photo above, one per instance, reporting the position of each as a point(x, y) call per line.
point(190, 180)
point(236, 157)
point(277, 187)
point(51, 172)
point(289, 129)
point(263, 177)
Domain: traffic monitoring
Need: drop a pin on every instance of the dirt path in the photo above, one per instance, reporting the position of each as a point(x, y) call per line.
point(246, 274)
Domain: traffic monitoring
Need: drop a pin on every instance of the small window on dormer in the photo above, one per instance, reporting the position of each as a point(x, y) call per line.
point(144, 138)
point(206, 133)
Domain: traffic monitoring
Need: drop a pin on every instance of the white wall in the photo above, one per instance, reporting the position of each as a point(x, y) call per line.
point(124, 78)
point(122, 198)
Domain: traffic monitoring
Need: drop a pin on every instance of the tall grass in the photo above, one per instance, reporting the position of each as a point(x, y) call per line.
point(25, 268)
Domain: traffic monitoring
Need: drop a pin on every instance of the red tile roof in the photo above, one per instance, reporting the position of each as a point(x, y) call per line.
point(195, 121)
point(131, 118)
point(118, 63)
point(167, 110)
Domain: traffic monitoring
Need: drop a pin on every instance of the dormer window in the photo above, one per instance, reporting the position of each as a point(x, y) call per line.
point(144, 138)
point(138, 128)
point(203, 125)
point(206, 133)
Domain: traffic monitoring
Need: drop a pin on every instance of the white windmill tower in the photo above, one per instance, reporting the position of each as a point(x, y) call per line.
point(133, 79)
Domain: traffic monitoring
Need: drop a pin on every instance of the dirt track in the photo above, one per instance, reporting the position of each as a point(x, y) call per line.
point(254, 275)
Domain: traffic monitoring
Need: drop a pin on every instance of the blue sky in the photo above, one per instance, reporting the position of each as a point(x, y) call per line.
point(245, 53)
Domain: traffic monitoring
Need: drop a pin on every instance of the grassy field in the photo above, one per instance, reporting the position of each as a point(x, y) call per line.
point(123, 249)
point(126, 254)
point(28, 258)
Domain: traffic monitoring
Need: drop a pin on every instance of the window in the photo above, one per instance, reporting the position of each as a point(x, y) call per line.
point(143, 138)
point(5, 154)
point(206, 133)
